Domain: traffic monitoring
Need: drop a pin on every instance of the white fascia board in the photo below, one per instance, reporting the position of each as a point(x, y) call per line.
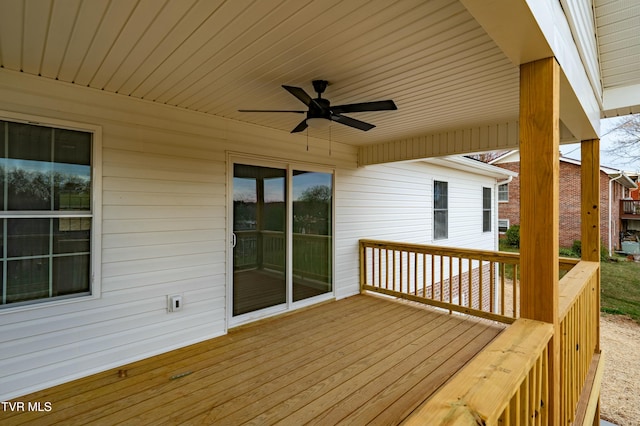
point(626, 98)
point(504, 158)
point(555, 28)
point(472, 166)
point(529, 30)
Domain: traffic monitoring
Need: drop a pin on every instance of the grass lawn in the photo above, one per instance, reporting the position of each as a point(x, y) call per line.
point(620, 289)
point(619, 285)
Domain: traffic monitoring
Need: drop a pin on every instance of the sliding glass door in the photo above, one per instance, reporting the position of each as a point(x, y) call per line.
point(259, 222)
point(312, 230)
point(282, 237)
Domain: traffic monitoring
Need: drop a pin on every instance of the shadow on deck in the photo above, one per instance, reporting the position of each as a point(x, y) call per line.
point(361, 360)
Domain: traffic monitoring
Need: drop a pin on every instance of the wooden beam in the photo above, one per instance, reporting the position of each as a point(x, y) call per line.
point(590, 200)
point(539, 205)
point(590, 221)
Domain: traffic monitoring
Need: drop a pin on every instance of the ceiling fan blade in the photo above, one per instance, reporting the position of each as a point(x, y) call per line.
point(365, 106)
point(271, 110)
point(342, 119)
point(300, 127)
point(298, 93)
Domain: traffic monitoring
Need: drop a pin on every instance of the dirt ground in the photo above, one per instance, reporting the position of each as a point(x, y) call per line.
point(620, 396)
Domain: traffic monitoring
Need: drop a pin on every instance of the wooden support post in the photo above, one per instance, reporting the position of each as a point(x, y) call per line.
point(590, 223)
point(539, 211)
point(590, 199)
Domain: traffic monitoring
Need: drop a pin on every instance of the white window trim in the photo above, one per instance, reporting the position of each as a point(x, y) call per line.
point(490, 210)
point(96, 208)
point(433, 210)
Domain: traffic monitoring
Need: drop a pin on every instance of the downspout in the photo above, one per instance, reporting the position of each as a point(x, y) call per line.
point(610, 206)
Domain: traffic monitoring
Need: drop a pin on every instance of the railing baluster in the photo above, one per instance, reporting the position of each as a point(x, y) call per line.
point(415, 277)
point(441, 278)
point(492, 283)
point(450, 280)
point(480, 285)
point(433, 278)
point(424, 274)
point(470, 273)
point(516, 293)
point(503, 295)
point(460, 298)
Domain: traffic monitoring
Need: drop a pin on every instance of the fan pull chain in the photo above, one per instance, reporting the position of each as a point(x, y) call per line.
point(330, 139)
point(307, 139)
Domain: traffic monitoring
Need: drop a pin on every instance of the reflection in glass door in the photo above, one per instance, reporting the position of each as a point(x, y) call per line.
point(312, 246)
point(259, 224)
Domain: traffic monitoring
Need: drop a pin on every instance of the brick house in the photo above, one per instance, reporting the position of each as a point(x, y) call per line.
point(614, 186)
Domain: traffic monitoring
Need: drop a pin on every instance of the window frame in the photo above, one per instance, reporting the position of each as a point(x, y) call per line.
point(501, 193)
point(503, 220)
point(440, 235)
point(95, 212)
point(486, 209)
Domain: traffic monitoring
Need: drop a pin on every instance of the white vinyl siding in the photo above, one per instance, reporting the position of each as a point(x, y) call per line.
point(394, 202)
point(164, 228)
point(164, 232)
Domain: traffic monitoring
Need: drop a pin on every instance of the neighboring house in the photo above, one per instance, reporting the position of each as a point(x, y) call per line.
point(630, 218)
point(635, 193)
point(614, 187)
point(142, 212)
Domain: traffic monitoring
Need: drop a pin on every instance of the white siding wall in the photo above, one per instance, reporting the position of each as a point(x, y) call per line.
point(393, 202)
point(164, 228)
point(164, 232)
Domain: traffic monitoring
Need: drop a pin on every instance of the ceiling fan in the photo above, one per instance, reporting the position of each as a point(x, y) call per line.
point(321, 112)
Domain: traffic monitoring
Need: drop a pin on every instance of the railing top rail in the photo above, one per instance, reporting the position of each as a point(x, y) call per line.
point(572, 284)
point(497, 371)
point(496, 256)
point(565, 263)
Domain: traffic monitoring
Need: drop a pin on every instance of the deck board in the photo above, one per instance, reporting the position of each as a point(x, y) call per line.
point(361, 360)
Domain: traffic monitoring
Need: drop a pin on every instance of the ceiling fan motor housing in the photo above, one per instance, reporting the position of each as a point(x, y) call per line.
point(319, 108)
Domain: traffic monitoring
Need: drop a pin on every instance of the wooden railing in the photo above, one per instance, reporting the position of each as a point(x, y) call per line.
point(630, 207)
point(267, 249)
point(579, 314)
point(514, 368)
point(478, 282)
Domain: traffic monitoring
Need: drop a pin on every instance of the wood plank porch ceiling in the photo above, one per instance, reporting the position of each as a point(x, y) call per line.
point(431, 57)
point(361, 360)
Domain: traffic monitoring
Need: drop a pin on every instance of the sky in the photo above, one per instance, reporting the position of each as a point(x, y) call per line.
point(245, 188)
point(606, 143)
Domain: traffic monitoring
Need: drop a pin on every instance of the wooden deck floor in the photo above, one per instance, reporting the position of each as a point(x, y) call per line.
point(361, 360)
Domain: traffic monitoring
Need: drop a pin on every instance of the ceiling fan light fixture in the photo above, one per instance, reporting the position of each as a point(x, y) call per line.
point(318, 123)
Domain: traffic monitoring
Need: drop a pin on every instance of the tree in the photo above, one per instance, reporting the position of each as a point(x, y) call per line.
point(317, 193)
point(486, 157)
point(625, 136)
